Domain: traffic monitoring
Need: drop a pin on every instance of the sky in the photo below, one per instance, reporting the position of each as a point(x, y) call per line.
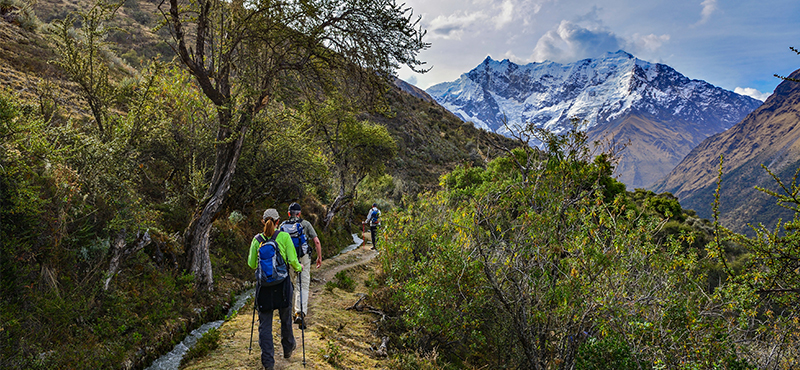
point(736, 45)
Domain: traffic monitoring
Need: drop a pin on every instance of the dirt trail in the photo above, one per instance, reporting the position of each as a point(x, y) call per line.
point(334, 336)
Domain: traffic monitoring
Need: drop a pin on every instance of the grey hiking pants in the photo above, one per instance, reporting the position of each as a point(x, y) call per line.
point(265, 334)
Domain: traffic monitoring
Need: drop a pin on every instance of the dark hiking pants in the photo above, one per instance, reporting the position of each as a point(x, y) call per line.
point(265, 335)
point(373, 234)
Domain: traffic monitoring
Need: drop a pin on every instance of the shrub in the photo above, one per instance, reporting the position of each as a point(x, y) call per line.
point(20, 13)
point(540, 251)
point(207, 343)
point(608, 353)
point(343, 281)
point(332, 354)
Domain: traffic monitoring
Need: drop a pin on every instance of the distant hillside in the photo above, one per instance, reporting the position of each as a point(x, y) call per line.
point(770, 136)
point(661, 112)
point(132, 38)
point(432, 141)
point(413, 90)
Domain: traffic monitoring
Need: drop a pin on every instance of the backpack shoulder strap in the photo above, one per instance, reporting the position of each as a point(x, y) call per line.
point(261, 239)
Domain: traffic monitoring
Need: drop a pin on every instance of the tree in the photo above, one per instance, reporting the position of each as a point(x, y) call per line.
point(243, 51)
point(84, 55)
point(355, 148)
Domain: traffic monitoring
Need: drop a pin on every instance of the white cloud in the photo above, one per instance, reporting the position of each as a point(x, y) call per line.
point(481, 16)
point(453, 26)
point(513, 57)
point(505, 16)
point(649, 42)
point(751, 92)
point(569, 42)
point(709, 6)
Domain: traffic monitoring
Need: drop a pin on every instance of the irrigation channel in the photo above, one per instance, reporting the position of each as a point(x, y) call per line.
point(172, 360)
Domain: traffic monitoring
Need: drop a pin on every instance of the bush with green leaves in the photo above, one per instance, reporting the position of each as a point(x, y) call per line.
point(70, 197)
point(521, 264)
point(343, 281)
point(208, 342)
point(332, 354)
point(19, 13)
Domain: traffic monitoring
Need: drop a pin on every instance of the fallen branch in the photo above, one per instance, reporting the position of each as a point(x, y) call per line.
point(361, 308)
point(355, 305)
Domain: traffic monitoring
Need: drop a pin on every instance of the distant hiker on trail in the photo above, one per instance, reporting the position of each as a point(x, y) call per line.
point(301, 232)
point(373, 219)
point(274, 287)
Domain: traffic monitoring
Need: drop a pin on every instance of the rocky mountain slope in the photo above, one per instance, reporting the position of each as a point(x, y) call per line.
point(770, 136)
point(662, 113)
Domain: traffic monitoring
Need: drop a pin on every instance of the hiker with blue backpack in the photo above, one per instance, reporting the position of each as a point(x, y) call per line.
point(302, 233)
point(270, 253)
point(374, 220)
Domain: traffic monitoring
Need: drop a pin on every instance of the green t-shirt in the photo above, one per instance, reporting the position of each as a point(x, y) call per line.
point(285, 246)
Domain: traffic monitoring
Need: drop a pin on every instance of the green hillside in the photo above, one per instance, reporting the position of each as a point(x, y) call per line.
point(767, 137)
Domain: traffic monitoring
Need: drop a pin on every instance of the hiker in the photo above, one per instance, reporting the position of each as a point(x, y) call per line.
point(275, 297)
point(301, 232)
point(373, 218)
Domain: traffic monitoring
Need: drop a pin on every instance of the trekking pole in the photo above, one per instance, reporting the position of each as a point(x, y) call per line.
point(253, 323)
point(302, 316)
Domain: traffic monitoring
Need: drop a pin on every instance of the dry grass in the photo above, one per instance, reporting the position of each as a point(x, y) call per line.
point(331, 327)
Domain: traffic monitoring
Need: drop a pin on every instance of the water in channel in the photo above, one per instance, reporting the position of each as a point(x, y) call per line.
point(172, 360)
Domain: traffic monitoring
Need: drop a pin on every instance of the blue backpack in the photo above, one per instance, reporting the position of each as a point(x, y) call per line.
point(374, 214)
point(295, 230)
point(271, 269)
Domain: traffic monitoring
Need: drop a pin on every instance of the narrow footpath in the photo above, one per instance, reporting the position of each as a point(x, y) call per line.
point(336, 338)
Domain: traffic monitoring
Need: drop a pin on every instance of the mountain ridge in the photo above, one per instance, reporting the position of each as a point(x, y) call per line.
point(501, 96)
point(768, 136)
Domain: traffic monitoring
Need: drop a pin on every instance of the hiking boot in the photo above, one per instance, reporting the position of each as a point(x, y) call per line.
point(298, 317)
point(289, 353)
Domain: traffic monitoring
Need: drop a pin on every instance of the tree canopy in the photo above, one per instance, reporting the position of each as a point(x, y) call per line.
point(248, 54)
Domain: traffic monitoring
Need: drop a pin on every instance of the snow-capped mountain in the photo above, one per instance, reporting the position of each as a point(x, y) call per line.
point(605, 93)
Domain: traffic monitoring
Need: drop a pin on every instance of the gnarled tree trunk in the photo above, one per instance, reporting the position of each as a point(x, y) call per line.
point(120, 251)
point(341, 200)
point(196, 237)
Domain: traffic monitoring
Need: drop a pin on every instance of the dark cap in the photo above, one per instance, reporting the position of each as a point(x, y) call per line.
point(294, 207)
point(374, 204)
